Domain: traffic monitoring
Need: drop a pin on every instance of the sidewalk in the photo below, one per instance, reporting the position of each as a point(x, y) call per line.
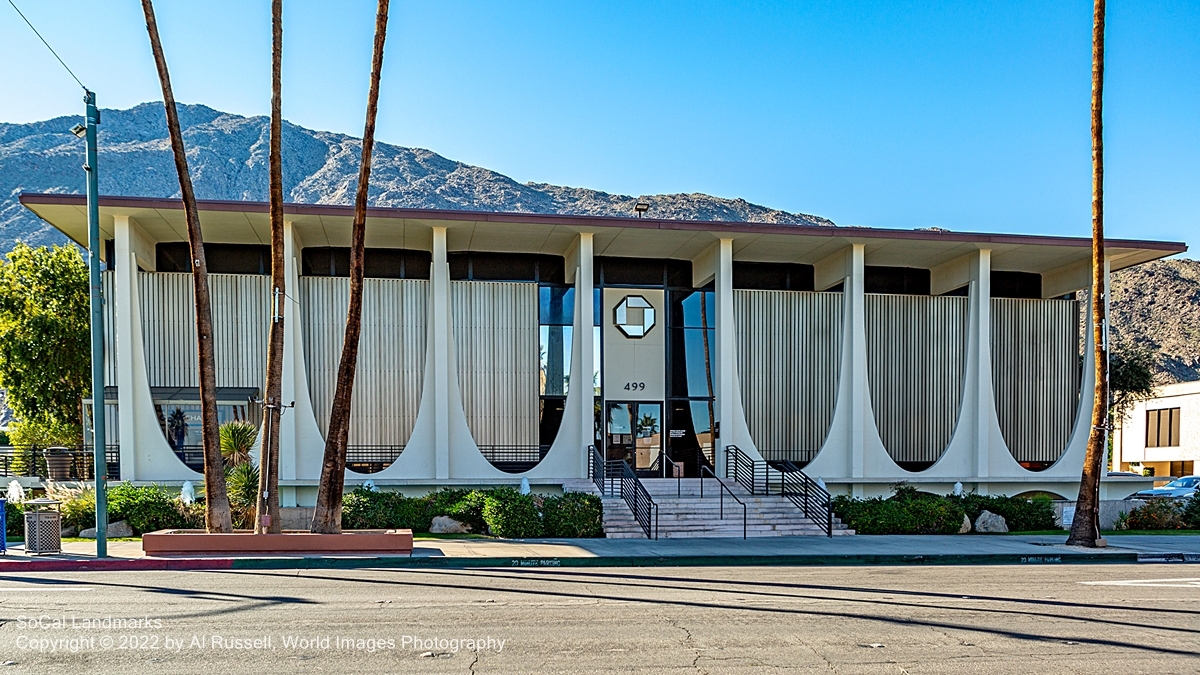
point(801, 551)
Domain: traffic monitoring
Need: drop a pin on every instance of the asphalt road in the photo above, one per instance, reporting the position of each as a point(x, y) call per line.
point(1044, 619)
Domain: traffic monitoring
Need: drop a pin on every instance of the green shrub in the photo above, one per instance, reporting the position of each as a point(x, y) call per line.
point(1156, 514)
point(78, 504)
point(511, 515)
point(1020, 514)
point(14, 526)
point(469, 511)
point(574, 514)
point(1191, 514)
point(365, 509)
point(908, 512)
point(145, 507)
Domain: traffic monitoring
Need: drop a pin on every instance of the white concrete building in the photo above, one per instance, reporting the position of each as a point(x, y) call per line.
point(864, 356)
point(1161, 433)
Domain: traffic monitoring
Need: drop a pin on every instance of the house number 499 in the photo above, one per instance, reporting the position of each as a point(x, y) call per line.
point(635, 386)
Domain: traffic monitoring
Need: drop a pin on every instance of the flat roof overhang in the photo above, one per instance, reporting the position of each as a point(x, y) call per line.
point(245, 222)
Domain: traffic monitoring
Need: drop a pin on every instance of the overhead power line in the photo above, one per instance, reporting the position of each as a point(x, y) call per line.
point(35, 32)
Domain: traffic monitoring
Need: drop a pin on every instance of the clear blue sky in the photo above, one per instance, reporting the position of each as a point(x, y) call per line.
point(970, 116)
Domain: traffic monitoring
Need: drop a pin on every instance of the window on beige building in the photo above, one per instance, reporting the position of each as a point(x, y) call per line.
point(1162, 428)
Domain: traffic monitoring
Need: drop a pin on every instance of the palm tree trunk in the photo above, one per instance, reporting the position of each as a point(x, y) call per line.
point(1085, 530)
point(216, 513)
point(327, 517)
point(268, 476)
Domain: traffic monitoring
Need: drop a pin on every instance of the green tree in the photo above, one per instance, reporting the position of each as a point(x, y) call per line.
point(1130, 376)
point(45, 352)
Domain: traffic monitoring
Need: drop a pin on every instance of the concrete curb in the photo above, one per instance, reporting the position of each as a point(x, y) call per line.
point(398, 562)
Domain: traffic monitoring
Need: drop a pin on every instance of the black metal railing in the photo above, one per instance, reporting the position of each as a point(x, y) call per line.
point(371, 458)
point(192, 456)
point(788, 481)
point(724, 489)
point(514, 458)
point(639, 501)
point(615, 478)
point(74, 463)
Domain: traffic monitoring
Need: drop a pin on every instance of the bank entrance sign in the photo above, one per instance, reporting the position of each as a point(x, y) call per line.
point(634, 316)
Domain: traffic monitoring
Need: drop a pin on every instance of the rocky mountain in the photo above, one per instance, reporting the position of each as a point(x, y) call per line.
point(1156, 304)
point(228, 158)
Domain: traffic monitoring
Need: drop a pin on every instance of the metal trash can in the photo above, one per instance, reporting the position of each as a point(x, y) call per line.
point(43, 526)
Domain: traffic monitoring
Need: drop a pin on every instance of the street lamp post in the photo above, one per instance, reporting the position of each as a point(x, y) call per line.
point(99, 444)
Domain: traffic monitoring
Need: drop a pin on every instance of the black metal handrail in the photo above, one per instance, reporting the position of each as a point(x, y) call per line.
point(638, 499)
point(721, 492)
point(614, 477)
point(74, 463)
point(660, 465)
point(813, 500)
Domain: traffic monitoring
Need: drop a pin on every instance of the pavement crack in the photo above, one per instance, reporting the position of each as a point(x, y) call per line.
point(689, 643)
point(473, 662)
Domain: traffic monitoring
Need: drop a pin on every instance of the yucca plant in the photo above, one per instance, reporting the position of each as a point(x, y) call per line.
point(241, 481)
point(237, 440)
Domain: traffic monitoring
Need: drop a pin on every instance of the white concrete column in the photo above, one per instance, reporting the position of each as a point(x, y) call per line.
point(584, 320)
point(860, 390)
point(727, 390)
point(980, 351)
point(145, 454)
point(439, 352)
point(301, 446)
point(124, 292)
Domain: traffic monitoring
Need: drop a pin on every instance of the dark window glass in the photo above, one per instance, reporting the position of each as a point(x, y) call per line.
point(110, 254)
point(1016, 285)
point(896, 280)
point(679, 273)
point(631, 271)
point(686, 310)
point(773, 276)
point(688, 372)
point(551, 419)
point(176, 256)
point(379, 263)
point(689, 434)
point(470, 266)
point(556, 305)
point(1162, 428)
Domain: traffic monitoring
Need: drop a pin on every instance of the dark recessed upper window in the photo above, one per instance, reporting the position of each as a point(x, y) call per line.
point(175, 256)
point(1016, 285)
point(896, 280)
point(472, 266)
point(379, 263)
point(611, 271)
point(772, 276)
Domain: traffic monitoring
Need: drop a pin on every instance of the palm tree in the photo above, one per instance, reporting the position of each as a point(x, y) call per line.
point(267, 503)
point(1085, 530)
point(216, 510)
point(327, 517)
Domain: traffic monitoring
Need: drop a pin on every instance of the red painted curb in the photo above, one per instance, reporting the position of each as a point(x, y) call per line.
point(114, 565)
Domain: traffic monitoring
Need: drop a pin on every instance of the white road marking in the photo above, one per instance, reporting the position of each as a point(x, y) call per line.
point(1158, 583)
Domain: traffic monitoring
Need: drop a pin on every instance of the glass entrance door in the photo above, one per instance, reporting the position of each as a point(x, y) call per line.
point(633, 433)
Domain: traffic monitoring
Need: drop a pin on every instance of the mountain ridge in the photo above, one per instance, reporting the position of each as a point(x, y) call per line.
point(1156, 305)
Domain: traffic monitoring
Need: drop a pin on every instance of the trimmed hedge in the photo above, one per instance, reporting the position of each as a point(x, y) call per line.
point(575, 514)
point(503, 512)
point(911, 512)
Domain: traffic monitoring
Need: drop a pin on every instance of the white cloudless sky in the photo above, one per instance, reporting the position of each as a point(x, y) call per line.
point(968, 116)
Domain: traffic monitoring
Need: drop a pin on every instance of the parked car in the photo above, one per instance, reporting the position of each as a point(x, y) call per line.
point(1180, 488)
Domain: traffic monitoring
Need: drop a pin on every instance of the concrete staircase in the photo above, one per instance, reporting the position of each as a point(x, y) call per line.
point(683, 513)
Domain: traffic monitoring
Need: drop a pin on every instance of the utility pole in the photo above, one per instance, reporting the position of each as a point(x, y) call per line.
point(99, 439)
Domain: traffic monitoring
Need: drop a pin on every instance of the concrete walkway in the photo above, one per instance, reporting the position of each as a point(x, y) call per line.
point(857, 550)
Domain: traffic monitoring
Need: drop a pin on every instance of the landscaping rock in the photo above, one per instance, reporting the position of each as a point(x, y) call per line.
point(448, 525)
point(117, 529)
point(966, 526)
point(68, 532)
point(990, 523)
